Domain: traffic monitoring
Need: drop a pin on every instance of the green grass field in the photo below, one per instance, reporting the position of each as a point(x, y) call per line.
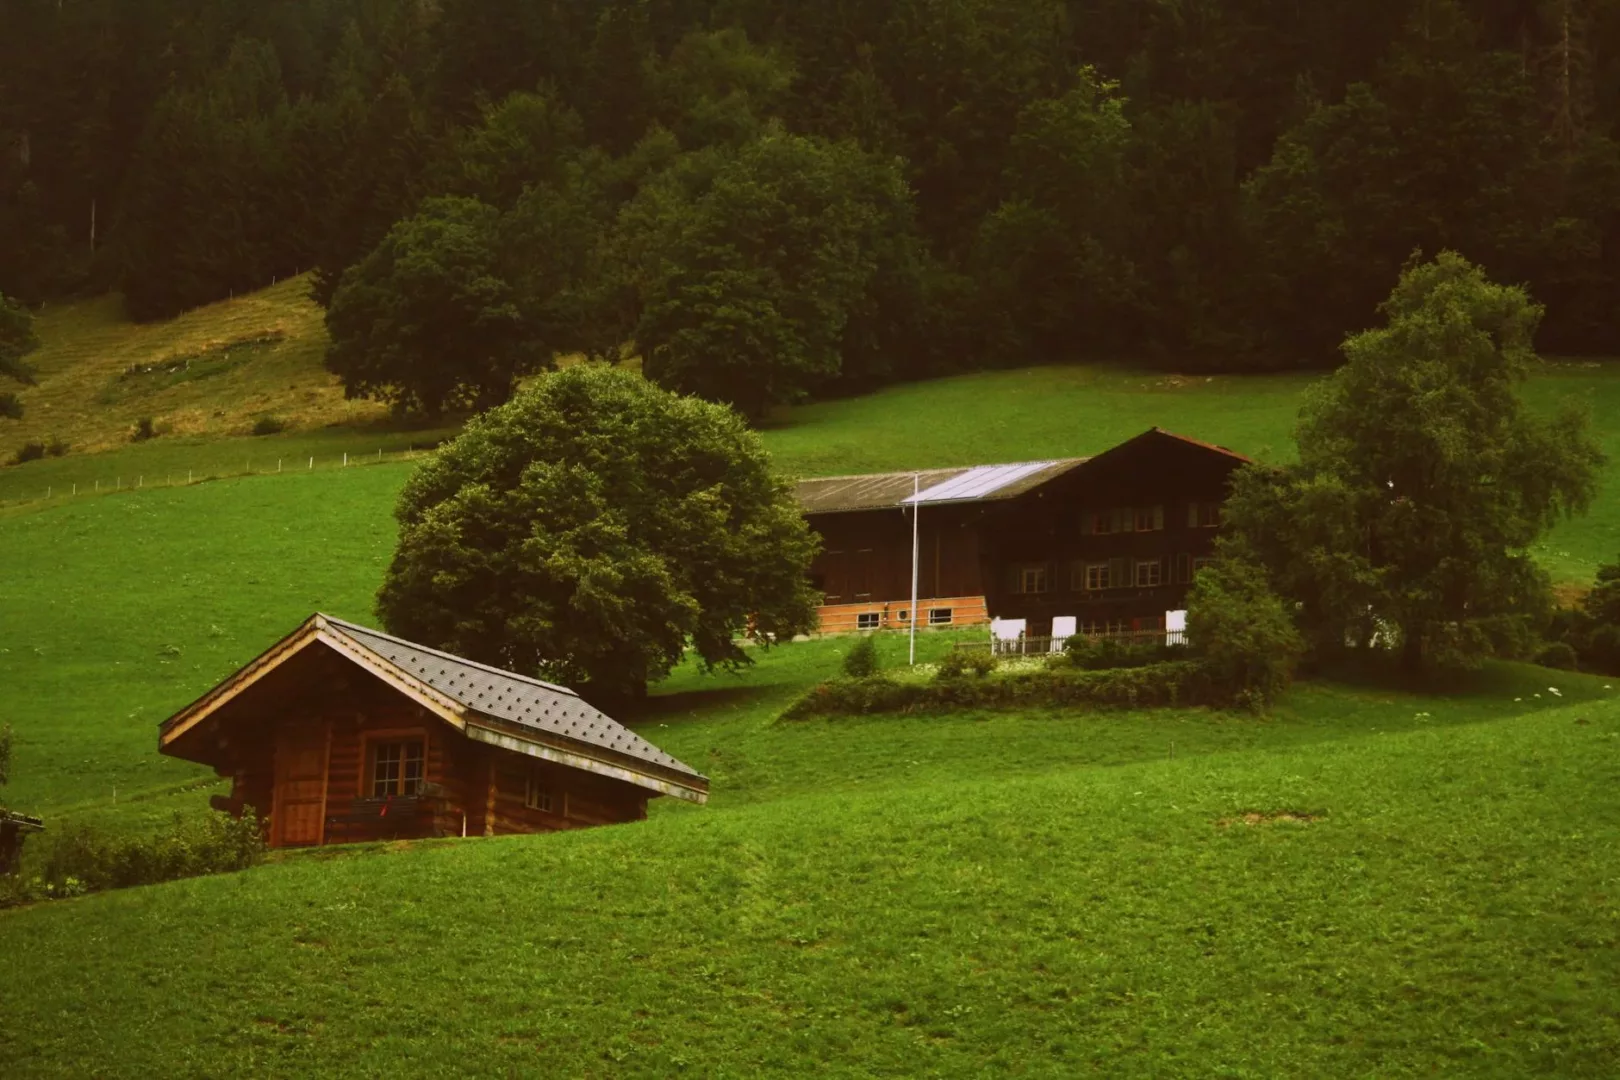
point(1369, 882)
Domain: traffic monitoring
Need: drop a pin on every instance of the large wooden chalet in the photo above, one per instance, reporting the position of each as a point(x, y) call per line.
point(339, 732)
point(1097, 545)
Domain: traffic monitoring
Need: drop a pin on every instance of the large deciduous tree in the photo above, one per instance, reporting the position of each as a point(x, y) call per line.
point(751, 267)
point(1423, 479)
point(434, 316)
point(593, 527)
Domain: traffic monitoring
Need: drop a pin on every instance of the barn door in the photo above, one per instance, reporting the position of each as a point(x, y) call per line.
point(299, 813)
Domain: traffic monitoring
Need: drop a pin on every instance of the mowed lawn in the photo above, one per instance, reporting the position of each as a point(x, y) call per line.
point(1048, 893)
point(1348, 889)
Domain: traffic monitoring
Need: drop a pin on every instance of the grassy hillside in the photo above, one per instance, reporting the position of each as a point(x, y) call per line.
point(209, 372)
point(1349, 889)
point(1369, 882)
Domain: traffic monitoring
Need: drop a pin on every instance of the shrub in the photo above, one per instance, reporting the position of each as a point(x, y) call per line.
point(11, 407)
point(1558, 654)
point(143, 430)
point(269, 425)
point(959, 663)
point(57, 447)
point(79, 858)
point(29, 451)
point(1243, 634)
point(862, 660)
point(1176, 683)
point(1103, 653)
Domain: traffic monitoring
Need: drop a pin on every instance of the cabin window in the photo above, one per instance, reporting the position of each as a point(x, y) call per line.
point(1203, 515)
point(940, 616)
point(1149, 624)
point(1149, 572)
point(1184, 568)
point(1149, 518)
point(868, 620)
point(1033, 578)
point(397, 768)
point(1100, 627)
point(1097, 576)
point(538, 795)
point(1203, 562)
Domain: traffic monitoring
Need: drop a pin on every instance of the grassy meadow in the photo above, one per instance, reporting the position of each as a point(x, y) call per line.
point(1370, 881)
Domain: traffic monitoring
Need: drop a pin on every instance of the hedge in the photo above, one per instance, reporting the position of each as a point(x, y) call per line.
point(1180, 682)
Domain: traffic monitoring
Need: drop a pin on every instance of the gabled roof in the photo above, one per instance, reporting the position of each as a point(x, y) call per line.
point(968, 484)
point(972, 483)
point(485, 703)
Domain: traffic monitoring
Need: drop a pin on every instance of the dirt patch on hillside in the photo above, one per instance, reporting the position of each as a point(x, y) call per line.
point(1269, 817)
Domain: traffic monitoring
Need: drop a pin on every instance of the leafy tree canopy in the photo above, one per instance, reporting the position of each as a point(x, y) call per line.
point(1422, 478)
point(1244, 633)
point(748, 265)
point(434, 316)
point(593, 527)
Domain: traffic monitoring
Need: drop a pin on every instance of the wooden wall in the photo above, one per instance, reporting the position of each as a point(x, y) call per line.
point(866, 556)
point(475, 787)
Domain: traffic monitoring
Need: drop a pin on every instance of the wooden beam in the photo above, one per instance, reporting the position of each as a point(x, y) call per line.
point(489, 803)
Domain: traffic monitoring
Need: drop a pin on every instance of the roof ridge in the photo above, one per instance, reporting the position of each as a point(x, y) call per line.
point(345, 624)
point(944, 468)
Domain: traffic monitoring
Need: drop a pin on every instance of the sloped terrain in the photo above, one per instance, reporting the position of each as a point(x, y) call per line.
point(210, 372)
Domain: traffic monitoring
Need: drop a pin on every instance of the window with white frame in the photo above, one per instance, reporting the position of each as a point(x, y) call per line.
point(940, 616)
point(1097, 577)
point(1149, 572)
point(868, 620)
point(1033, 578)
point(1148, 518)
point(1203, 515)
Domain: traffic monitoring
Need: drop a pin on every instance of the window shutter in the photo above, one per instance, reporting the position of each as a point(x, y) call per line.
point(1192, 515)
point(1158, 517)
point(1183, 568)
point(1119, 573)
point(1015, 582)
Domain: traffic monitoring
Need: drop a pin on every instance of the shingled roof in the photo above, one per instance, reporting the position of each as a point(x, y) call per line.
point(486, 703)
point(972, 483)
point(966, 484)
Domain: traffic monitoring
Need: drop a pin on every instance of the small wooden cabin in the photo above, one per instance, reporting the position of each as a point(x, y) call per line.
point(1103, 545)
point(342, 733)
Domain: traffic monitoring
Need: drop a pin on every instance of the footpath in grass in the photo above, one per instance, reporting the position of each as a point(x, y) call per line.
point(1434, 901)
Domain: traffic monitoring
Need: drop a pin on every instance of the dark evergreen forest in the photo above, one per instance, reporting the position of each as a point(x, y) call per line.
point(843, 191)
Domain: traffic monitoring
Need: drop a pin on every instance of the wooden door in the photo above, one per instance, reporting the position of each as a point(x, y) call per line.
point(299, 816)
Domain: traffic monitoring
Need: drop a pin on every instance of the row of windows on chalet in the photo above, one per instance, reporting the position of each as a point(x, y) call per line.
point(399, 769)
point(1103, 575)
point(1126, 519)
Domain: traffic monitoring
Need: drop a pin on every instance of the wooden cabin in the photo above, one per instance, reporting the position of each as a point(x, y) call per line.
point(342, 733)
point(1099, 545)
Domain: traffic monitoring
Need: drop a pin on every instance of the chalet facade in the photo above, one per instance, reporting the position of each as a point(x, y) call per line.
point(1095, 545)
point(341, 733)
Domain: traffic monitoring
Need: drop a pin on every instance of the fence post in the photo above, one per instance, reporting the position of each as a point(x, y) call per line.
point(312, 464)
point(75, 487)
point(345, 459)
point(278, 464)
point(188, 476)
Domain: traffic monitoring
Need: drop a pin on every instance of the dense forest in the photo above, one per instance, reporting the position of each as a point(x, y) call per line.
point(770, 198)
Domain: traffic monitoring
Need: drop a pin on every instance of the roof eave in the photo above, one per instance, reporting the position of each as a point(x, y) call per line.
point(484, 729)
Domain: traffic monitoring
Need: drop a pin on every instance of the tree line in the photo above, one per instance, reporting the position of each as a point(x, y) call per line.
point(766, 199)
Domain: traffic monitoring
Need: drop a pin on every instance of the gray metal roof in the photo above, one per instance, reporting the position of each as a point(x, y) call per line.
point(507, 696)
point(974, 483)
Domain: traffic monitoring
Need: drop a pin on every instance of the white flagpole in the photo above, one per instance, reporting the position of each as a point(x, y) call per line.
point(916, 511)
